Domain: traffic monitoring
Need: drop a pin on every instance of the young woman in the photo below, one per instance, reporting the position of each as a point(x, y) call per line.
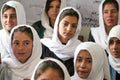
point(25, 52)
point(50, 69)
point(45, 26)
point(12, 14)
point(108, 17)
point(65, 37)
point(114, 52)
point(90, 62)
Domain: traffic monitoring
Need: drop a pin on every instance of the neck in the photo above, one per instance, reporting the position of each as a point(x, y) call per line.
point(63, 41)
point(52, 23)
point(108, 29)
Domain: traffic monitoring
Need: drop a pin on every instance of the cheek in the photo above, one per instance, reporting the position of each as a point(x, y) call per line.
point(77, 65)
point(15, 22)
point(30, 49)
point(116, 19)
point(14, 49)
point(60, 29)
point(90, 67)
point(74, 30)
point(110, 48)
point(104, 17)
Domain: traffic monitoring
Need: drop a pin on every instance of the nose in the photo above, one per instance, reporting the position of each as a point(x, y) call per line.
point(110, 13)
point(82, 64)
point(8, 19)
point(21, 46)
point(69, 28)
point(115, 46)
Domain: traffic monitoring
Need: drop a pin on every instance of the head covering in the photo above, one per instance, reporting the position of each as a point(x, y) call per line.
point(99, 33)
point(64, 52)
point(114, 62)
point(24, 70)
point(20, 12)
point(4, 34)
point(46, 23)
point(99, 62)
point(66, 74)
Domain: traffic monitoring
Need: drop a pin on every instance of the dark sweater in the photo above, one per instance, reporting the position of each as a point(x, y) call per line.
point(68, 63)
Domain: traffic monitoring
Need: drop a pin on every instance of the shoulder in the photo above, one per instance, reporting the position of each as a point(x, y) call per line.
point(2, 30)
point(37, 22)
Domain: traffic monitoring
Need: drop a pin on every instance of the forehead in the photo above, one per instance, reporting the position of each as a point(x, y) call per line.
point(9, 11)
point(114, 38)
point(84, 53)
point(55, 2)
point(21, 35)
point(110, 5)
point(71, 19)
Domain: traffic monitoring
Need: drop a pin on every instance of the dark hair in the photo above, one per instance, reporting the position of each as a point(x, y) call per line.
point(48, 64)
point(6, 7)
point(68, 12)
point(25, 30)
point(47, 7)
point(114, 2)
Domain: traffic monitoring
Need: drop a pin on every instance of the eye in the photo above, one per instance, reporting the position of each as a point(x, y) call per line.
point(50, 6)
point(114, 11)
point(105, 12)
point(4, 16)
point(79, 59)
point(74, 25)
point(13, 16)
point(15, 43)
point(26, 43)
point(118, 41)
point(58, 6)
point(65, 24)
point(89, 60)
point(111, 42)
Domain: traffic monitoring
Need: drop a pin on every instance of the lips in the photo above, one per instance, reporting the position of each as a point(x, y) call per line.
point(68, 34)
point(82, 71)
point(21, 53)
point(110, 20)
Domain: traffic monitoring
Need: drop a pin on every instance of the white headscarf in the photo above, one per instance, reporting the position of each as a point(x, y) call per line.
point(100, 68)
point(64, 52)
point(99, 33)
point(66, 74)
point(4, 34)
point(46, 23)
point(114, 62)
point(24, 70)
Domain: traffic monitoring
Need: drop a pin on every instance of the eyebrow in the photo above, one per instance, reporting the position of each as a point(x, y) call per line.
point(86, 58)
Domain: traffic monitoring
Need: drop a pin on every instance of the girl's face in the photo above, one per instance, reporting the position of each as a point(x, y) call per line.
point(67, 28)
point(50, 74)
point(9, 19)
point(110, 15)
point(22, 46)
point(83, 64)
point(114, 46)
point(54, 9)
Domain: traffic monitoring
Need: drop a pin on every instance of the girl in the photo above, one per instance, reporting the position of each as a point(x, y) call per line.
point(65, 37)
point(90, 62)
point(12, 14)
point(25, 52)
point(50, 69)
point(108, 17)
point(45, 26)
point(114, 52)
